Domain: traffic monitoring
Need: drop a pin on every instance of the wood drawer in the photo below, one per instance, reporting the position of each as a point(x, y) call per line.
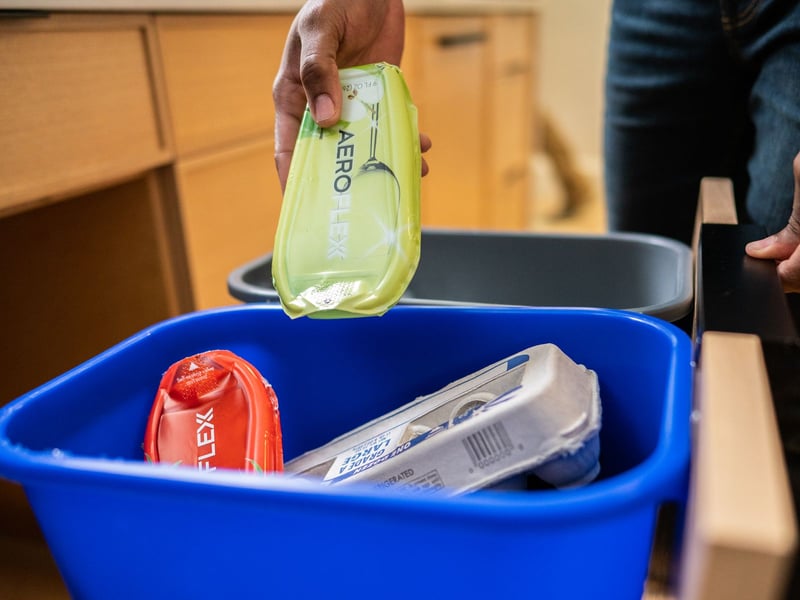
point(508, 204)
point(510, 146)
point(78, 107)
point(511, 109)
point(444, 60)
point(511, 43)
point(78, 276)
point(229, 203)
point(511, 121)
point(219, 72)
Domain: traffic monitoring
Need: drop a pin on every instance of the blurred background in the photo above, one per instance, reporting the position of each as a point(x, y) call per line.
point(572, 68)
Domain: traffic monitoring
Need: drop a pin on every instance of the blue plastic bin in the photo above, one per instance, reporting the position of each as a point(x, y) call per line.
point(120, 528)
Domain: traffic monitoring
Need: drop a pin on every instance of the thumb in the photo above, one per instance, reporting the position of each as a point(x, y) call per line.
point(319, 73)
point(323, 90)
point(781, 245)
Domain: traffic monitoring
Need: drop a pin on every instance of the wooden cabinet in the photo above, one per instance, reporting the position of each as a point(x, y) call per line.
point(218, 73)
point(472, 80)
point(155, 131)
point(79, 276)
point(229, 204)
point(137, 173)
point(65, 84)
point(86, 259)
point(510, 109)
point(443, 62)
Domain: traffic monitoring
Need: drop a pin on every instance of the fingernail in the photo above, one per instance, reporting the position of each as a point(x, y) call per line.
point(759, 244)
point(323, 108)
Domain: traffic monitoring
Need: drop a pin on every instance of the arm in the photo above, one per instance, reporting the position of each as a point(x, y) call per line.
point(784, 246)
point(326, 35)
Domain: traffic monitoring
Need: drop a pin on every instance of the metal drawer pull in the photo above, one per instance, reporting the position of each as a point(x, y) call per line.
point(461, 39)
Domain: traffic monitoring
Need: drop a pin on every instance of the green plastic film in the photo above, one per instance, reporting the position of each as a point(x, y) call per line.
point(349, 230)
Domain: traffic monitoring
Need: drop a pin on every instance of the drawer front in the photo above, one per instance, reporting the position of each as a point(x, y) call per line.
point(444, 61)
point(511, 41)
point(229, 203)
point(511, 121)
point(77, 105)
point(511, 109)
point(508, 203)
point(219, 72)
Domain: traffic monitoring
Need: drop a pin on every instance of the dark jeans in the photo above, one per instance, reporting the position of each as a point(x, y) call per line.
point(700, 88)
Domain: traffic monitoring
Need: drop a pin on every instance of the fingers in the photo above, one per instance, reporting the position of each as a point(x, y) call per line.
point(424, 145)
point(784, 246)
point(321, 29)
point(779, 246)
point(325, 34)
point(290, 104)
point(283, 160)
point(789, 272)
point(307, 75)
point(789, 269)
point(424, 142)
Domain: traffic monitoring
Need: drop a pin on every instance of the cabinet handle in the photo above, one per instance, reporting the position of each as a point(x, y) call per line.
point(461, 39)
point(22, 13)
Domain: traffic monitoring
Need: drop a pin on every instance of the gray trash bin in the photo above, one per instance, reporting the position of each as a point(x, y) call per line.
point(642, 273)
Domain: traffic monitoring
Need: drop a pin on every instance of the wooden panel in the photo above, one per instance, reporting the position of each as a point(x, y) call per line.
point(510, 121)
point(78, 276)
point(230, 204)
point(510, 83)
point(715, 204)
point(445, 62)
point(219, 72)
point(509, 200)
point(511, 40)
point(77, 105)
point(741, 531)
point(507, 162)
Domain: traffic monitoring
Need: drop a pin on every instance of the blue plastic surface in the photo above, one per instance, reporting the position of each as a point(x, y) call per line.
point(120, 528)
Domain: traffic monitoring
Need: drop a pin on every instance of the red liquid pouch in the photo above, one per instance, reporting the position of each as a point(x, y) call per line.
point(215, 411)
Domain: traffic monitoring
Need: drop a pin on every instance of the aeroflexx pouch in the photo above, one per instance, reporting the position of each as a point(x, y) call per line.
point(348, 236)
point(215, 410)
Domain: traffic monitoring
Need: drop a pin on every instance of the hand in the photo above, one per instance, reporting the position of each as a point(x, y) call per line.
point(327, 35)
point(784, 246)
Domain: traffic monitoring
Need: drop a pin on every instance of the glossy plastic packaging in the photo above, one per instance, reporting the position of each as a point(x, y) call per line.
point(348, 236)
point(215, 410)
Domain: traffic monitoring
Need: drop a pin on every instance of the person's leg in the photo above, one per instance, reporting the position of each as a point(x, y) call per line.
point(675, 112)
point(768, 39)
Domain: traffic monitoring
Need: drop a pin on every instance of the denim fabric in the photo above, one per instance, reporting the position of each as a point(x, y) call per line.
point(700, 88)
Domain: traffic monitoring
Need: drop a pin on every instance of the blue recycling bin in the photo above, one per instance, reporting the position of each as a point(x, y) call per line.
point(121, 528)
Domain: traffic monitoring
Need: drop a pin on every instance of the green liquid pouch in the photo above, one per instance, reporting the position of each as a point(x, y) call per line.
point(348, 235)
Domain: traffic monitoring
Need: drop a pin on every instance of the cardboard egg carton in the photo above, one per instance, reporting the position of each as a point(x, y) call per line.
point(536, 411)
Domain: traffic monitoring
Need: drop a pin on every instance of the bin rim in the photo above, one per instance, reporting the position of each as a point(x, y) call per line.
point(670, 310)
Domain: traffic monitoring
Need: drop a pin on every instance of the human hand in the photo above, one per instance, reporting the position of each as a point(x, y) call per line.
point(327, 35)
point(784, 246)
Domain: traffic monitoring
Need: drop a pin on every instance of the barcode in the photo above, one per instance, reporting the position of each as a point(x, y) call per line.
point(488, 445)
